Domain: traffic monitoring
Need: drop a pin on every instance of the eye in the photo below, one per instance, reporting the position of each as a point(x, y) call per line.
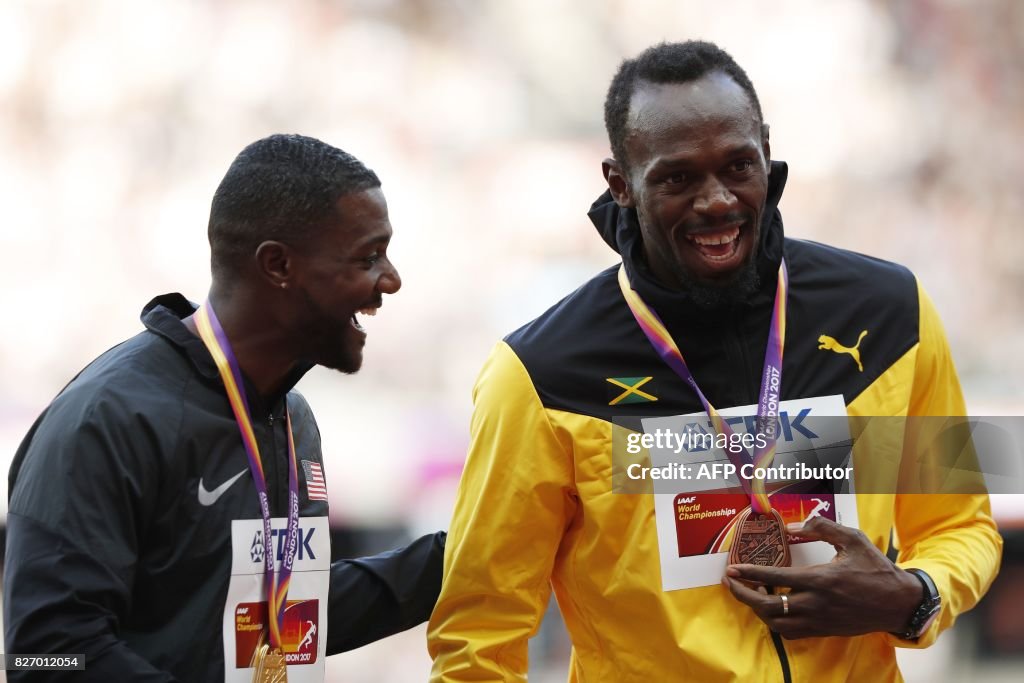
point(675, 179)
point(372, 258)
point(742, 165)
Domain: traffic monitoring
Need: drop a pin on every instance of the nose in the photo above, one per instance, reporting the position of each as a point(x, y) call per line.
point(390, 281)
point(714, 198)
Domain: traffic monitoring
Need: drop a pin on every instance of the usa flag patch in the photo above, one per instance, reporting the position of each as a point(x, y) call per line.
point(315, 484)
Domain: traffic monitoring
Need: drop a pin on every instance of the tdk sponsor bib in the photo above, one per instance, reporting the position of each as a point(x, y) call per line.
point(304, 633)
point(697, 495)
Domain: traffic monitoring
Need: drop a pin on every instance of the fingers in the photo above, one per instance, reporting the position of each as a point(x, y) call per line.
point(781, 613)
point(785, 614)
point(757, 599)
point(791, 577)
point(824, 529)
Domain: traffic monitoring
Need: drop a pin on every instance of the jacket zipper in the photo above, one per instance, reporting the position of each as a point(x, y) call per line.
point(780, 649)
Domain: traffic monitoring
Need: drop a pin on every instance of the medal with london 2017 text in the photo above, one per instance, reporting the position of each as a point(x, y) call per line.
point(268, 662)
point(759, 534)
point(760, 539)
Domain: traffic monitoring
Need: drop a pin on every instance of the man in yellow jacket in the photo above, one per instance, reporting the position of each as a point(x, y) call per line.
point(692, 209)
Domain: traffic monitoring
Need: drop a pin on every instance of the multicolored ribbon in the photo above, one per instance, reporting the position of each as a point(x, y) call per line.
point(771, 381)
point(219, 347)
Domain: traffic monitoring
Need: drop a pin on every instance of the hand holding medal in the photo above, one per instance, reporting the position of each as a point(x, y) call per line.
point(858, 592)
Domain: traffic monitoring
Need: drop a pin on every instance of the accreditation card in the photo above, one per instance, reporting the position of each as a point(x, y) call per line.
point(304, 632)
point(699, 498)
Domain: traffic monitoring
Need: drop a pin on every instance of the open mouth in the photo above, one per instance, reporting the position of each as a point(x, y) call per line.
point(718, 245)
point(366, 310)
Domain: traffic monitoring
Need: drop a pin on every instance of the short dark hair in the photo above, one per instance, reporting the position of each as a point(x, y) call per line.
point(666, 63)
point(283, 187)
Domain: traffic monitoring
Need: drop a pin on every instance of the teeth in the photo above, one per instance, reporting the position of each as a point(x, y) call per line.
point(367, 311)
point(710, 239)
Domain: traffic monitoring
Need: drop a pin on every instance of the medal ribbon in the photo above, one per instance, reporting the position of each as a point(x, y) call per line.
point(219, 347)
point(771, 381)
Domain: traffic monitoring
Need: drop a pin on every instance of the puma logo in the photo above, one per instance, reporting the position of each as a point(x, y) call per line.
point(830, 343)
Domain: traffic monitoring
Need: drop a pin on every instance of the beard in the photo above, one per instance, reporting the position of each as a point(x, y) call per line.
point(329, 341)
point(729, 291)
point(736, 290)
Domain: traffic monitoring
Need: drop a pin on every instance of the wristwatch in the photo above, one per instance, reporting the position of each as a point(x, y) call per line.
point(926, 612)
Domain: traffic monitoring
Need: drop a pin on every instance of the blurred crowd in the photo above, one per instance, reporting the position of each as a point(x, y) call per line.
point(902, 122)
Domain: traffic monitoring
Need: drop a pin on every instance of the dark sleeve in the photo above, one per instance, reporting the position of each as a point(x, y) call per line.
point(77, 509)
point(375, 597)
point(59, 600)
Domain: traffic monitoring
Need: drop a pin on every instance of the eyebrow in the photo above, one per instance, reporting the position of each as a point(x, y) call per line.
point(378, 239)
point(666, 163)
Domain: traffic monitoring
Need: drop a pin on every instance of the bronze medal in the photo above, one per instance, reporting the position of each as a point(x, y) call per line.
point(269, 666)
point(760, 539)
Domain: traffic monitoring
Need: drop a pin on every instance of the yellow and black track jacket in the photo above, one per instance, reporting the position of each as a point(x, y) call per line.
point(535, 509)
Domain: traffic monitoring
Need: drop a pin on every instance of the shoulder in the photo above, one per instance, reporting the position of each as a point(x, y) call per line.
point(142, 375)
point(303, 421)
point(125, 402)
point(566, 351)
point(106, 430)
point(835, 271)
point(298, 406)
point(851, 317)
point(563, 321)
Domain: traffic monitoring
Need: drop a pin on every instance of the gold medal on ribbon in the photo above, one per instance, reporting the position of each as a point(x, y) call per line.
point(760, 539)
point(269, 666)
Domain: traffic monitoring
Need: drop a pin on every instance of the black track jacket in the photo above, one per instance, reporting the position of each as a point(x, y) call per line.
point(111, 554)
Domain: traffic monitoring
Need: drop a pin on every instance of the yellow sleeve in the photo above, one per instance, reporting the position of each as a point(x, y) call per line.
point(514, 502)
point(952, 536)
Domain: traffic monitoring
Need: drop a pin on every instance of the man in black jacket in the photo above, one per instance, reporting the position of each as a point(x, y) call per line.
point(149, 502)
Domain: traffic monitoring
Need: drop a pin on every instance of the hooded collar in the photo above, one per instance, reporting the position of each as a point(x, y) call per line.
point(163, 316)
point(620, 229)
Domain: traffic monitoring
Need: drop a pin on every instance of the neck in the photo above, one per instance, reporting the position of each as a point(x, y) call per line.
point(260, 346)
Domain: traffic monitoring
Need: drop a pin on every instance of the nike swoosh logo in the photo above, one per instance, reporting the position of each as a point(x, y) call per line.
point(210, 497)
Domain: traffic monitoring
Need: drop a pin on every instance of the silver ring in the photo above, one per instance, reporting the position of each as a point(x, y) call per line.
point(785, 604)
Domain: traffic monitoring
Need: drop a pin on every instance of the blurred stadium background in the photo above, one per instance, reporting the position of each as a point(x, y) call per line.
point(902, 122)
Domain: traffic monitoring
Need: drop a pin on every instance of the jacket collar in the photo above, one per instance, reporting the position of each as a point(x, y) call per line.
point(163, 316)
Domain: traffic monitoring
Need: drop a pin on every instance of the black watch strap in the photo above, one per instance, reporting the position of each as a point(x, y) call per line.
point(926, 612)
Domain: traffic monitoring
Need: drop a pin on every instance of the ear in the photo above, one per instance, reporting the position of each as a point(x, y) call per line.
point(275, 263)
point(618, 183)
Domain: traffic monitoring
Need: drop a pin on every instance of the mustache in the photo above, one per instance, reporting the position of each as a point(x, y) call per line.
point(699, 225)
point(376, 303)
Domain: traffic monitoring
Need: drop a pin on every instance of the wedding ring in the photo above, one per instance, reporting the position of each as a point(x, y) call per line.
point(785, 604)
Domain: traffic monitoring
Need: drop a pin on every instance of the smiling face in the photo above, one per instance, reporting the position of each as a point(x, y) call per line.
point(344, 273)
point(697, 175)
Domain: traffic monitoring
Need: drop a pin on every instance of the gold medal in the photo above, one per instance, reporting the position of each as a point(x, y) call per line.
point(760, 539)
point(269, 666)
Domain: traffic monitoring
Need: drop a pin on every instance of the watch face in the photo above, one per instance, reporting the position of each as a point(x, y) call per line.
point(932, 615)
